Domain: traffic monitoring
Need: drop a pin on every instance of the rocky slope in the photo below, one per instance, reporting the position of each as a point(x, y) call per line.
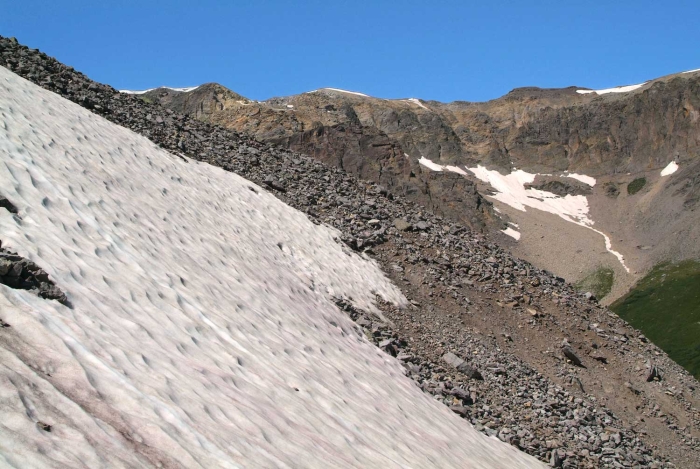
point(563, 378)
point(614, 137)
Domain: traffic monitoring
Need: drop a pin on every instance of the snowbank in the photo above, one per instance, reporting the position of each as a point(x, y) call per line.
point(417, 102)
point(617, 89)
point(670, 169)
point(202, 333)
point(511, 191)
point(184, 90)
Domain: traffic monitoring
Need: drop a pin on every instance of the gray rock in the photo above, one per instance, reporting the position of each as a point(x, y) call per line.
point(402, 225)
point(568, 352)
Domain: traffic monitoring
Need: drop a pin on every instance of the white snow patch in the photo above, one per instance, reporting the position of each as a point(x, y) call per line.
point(670, 169)
point(290, 106)
point(429, 164)
point(581, 177)
point(617, 89)
point(345, 91)
point(417, 102)
point(511, 191)
point(184, 90)
point(202, 332)
point(513, 224)
point(437, 167)
point(456, 169)
point(691, 71)
point(512, 233)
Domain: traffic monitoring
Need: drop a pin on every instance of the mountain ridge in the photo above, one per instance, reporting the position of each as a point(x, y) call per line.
point(470, 298)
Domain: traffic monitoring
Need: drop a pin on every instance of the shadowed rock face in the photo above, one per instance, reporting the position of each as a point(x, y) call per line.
point(372, 155)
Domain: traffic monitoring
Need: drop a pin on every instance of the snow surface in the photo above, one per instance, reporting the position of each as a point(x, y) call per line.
point(416, 101)
point(618, 89)
point(581, 177)
point(512, 233)
point(184, 90)
point(437, 167)
point(691, 71)
point(342, 91)
point(670, 169)
point(202, 332)
point(511, 191)
point(429, 164)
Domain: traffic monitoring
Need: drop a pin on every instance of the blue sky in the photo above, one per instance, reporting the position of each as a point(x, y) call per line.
point(444, 50)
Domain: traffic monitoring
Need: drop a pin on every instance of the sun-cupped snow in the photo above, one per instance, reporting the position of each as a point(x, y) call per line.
point(183, 90)
point(510, 189)
point(581, 177)
point(202, 331)
point(617, 89)
point(416, 102)
point(671, 168)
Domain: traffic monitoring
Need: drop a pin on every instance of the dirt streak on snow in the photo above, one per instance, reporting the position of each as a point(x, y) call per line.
point(202, 333)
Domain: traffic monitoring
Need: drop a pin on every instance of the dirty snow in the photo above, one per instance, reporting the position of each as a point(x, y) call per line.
point(512, 233)
point(184, 90)
point(670, 169)
point(417, 102)
point(618, 89)
point(511, 191)
point(202, 333)
point(581, 177)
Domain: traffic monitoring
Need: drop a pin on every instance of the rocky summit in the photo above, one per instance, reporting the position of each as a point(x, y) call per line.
point(504, 344)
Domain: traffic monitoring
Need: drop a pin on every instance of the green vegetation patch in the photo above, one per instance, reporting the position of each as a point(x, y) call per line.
point(636, 185)
point(665, 306)
point(599, 282)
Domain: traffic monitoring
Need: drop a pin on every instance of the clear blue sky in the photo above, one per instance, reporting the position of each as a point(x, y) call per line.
point(432, 49)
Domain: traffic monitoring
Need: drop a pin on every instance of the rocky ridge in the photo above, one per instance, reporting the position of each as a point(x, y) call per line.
point(614, 137)
point(505, 318)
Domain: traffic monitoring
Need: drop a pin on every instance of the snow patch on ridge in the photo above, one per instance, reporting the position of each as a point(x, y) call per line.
point(617, 89)
point(183, 90)
point(341, 91)
point(510, 189)
point(203, 332)
point(417, 102)
point(670, 169)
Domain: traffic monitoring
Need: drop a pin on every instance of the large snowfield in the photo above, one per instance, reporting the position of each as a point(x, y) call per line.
point(202, 332)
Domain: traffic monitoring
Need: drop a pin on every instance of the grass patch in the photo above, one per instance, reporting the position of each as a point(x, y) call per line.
point(665, 306)
point(599, 282)
point(636, 185)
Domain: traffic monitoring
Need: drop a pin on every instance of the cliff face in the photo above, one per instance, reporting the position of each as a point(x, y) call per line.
point(614, 137)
